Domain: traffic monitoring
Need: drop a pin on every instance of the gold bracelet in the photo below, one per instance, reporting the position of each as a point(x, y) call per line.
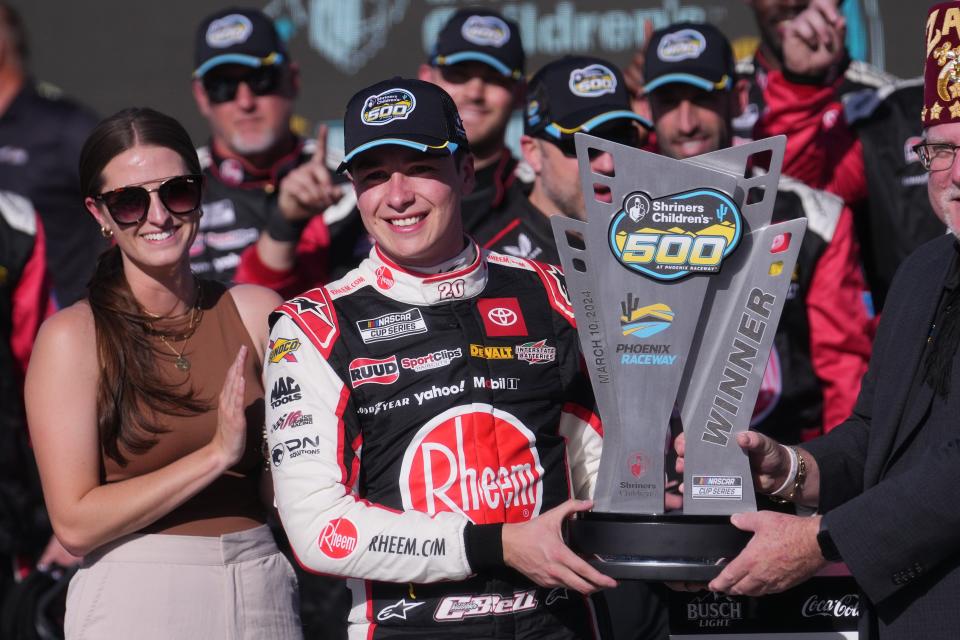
point(797, 481)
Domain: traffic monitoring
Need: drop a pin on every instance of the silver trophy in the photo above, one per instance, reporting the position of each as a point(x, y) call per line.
point(677, 286)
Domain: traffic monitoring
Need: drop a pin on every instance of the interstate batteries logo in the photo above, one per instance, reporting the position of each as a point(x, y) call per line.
point(592, 82)
point(671, 237)
point(382, 108)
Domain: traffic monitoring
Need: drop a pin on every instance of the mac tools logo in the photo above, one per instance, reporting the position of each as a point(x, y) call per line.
point(444, 470)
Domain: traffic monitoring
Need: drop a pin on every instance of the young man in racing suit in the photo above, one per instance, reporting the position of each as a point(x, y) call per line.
point(428, 419)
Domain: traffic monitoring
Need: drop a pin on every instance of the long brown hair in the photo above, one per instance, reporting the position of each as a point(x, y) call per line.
point(130, 393)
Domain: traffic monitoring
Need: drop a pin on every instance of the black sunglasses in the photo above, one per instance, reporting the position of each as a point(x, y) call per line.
point(223, 88)
point(181, 196)
point(622, 135)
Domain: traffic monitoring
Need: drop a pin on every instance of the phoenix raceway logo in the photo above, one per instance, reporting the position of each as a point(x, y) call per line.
point(686, 232)
point(643, 322)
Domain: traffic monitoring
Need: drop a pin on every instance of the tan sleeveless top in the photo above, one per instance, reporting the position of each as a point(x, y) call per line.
point(232, 501)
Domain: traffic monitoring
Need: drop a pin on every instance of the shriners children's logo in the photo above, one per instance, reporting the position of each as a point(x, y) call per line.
point(674, 236)
point(229, 30)
point(382, 108)
point(686, 44)
point(592, 81)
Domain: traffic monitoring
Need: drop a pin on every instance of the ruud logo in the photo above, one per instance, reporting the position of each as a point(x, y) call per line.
point(372, 371)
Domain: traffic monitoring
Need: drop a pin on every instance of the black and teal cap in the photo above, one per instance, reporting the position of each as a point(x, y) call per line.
point(408, 113)
point(576, 94)
point(237, 36)
point(692, 53)
point(480, 35)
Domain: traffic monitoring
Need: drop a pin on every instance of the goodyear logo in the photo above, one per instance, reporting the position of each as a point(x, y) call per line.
point(680, 234)
point(485, 31)
point(685, 44)
point(383, 108)
point(228, 31)
point(491, 353)
point(592, 81)
point(282, 349)
point(643, 322)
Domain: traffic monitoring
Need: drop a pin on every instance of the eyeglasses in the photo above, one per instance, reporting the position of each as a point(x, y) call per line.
point(936, 156)
point(622, 135)
point(223, 88)
point(181, 196)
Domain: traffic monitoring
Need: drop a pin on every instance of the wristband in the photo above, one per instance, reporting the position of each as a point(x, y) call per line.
point(798, 479)
point(283, 230)
point(791, 475)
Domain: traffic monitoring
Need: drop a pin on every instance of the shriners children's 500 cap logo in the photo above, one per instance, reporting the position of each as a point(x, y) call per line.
point(670, 237)
point(393, 104)
point(593, 81)
point(685, 44)
point(485, 31)
point(228, 31)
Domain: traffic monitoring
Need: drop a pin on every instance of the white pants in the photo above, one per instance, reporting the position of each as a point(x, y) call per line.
point(167, 587)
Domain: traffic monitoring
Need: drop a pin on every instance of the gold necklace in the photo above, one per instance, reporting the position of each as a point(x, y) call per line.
point(181, 362)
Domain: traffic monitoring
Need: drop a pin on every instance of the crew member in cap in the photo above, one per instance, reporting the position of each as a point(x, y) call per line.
point(245, 85)
point(570, 95)
point(443, 423)
point(884, 482)
point(822, 343)
point(478, 59)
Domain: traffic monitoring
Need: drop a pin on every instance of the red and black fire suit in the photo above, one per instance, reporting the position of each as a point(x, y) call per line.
point(24, 303)
point(860, 146)
point(410, 414)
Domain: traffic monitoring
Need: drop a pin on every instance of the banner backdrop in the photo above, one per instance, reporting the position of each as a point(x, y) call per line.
point(116, 53)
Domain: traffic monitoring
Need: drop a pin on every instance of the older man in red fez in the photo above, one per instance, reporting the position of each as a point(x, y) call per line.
point(884, 483)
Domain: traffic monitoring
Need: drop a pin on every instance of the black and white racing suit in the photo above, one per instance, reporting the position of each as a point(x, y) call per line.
point(409, 413)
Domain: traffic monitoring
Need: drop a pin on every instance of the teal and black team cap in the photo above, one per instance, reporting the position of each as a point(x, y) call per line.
point(576, 94)
point(408, 113)
point(237, 36)
point(480, 35)
point(692, 53)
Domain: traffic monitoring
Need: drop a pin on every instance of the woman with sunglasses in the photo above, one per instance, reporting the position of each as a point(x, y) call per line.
point(146, 409)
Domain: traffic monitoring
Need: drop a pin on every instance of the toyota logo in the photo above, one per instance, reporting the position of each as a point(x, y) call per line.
point(501, 316)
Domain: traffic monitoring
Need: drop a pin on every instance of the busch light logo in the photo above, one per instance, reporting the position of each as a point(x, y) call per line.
point(228, 31)
point(443, 468)
point(685, 44)
point(593, 81)
point(485, 31)
point(338, 539)
point(685, 232)
point(383, 108)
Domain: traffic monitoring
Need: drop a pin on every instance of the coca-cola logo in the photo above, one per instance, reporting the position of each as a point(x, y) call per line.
point(846, 606)
point(475, 460)
point(338, 538)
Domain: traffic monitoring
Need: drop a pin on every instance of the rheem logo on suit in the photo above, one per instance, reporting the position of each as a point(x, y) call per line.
point(338, 538)
point(443, 470)
point(391, 326)
point(373, 371)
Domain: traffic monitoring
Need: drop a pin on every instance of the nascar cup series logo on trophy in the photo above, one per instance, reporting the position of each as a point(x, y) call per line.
point(677, 285)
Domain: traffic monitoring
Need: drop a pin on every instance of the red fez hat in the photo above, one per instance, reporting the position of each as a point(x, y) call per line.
point(941, 77)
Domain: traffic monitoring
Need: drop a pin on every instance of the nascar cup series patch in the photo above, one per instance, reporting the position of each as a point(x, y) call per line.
point(592, 81)
point(228, 31)
point(686, 44)
point(671, 237)
point(392, 104)
point(485, 31)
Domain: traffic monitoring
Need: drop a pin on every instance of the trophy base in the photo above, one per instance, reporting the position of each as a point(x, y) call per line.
point(667, 547)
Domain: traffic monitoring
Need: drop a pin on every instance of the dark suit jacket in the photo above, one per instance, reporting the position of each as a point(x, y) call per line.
point(890, 474)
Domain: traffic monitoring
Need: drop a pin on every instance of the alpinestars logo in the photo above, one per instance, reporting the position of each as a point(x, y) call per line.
point(285, 390)
point(443, 468)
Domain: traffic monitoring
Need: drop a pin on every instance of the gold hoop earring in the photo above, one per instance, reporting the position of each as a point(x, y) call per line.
point(106, 233)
